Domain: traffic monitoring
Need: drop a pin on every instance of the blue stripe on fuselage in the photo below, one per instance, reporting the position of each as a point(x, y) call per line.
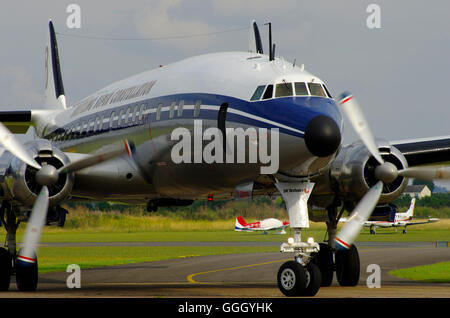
point(294, 112)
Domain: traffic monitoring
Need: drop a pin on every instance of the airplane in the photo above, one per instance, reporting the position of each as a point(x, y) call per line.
point(263, 225)
point(400, 219)
point(129, 142)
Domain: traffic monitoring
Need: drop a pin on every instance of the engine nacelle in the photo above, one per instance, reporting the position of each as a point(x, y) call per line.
point(18, 180)
point(353, 172)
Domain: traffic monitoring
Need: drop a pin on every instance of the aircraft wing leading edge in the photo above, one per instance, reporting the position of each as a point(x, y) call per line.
point(425, 151)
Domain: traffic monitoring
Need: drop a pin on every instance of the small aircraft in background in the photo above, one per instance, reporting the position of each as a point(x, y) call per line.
point(400, 219)
point(264, 225)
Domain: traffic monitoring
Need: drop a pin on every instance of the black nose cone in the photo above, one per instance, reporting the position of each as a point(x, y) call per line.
point(322, 136)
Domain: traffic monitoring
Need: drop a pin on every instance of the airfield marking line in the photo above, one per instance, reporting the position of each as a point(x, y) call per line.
point(190, 278)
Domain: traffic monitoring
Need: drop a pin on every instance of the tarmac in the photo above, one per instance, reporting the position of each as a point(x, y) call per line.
point(250, 275)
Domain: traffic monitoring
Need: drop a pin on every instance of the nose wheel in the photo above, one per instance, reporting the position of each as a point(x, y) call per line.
point(294, 279)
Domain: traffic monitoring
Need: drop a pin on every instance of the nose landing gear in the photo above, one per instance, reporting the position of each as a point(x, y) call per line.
point(314, 263)
point(299, 277)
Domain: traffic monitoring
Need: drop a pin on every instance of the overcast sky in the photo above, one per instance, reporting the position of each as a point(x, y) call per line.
point(399, 73)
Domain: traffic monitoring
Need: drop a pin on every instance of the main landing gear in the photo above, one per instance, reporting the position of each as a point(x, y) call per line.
point(314, 264)
point(11, 264)
point(345, 262)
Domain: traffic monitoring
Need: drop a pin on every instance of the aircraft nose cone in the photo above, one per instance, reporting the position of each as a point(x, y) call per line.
point(322, 136)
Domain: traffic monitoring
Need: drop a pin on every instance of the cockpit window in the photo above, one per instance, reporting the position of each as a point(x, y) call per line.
point(328, 92)
point(283, 89)
point(269, 92)
point(258, 92)
point(300, 89)
point(316, 89)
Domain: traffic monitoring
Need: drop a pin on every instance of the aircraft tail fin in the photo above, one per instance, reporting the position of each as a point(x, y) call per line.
point(54, 87)
point(410, 211)
point(240, 224)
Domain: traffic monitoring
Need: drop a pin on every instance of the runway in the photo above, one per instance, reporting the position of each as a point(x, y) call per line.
point(241, 276)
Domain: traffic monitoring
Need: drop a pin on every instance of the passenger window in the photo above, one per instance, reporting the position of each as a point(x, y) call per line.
point(269, 92)
point(135, 114)
point(127, 115)
point(141, 112)
point(328, 92)
point(258, 92)
point(111, 120)
point(300, 89)
point(119, 120)
point(283, 89)
point(98, 124)
point(78, 130)
point(180, 108)
point(316, 89)
point(197, 108)
point(158, 112)
point(90, 127)
point(172, 110)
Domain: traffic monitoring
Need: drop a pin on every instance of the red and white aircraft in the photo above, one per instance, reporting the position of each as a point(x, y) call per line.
point(264, 225)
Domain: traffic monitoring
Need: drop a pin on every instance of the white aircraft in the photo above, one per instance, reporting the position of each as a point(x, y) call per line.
point(166, 137)
point(400, 219)
point(263, 225)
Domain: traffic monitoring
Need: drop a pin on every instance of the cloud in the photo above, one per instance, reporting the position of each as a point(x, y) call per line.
point(19, 84)
point(163, 19)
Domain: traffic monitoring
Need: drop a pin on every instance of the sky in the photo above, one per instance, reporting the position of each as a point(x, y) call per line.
point(398, 72)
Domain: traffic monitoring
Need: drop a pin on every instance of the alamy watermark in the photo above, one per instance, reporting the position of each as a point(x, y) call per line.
point(374, 279)
point(74, 279)
point(217, 149)
point(373, 21)
point(73, 20)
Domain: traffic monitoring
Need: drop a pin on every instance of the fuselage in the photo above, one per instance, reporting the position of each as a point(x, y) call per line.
point(222, 90)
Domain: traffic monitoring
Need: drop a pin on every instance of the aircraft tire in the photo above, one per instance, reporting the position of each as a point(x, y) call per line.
point(26, 275)
point(292, 279)
point(5, 269)
point(315, 279)
point(324, 260)
point(348, 266)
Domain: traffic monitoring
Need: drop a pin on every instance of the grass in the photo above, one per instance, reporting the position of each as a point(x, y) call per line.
point(433, 273)
point(85, 226)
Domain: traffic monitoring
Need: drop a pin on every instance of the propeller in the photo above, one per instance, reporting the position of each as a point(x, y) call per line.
point(45, 176)
point(34, 228)
point(385, 173)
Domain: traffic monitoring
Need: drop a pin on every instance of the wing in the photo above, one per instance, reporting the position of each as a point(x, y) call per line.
point(423, 222)
point(424, 151)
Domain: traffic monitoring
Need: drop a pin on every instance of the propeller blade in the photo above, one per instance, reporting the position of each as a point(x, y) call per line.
point(97, 158)
point(360, 214)
point(34, 228)
point(10, 142)
point(353, 112)
point(426, 173)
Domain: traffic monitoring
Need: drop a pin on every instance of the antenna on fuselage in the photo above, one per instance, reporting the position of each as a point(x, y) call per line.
point(271, 46)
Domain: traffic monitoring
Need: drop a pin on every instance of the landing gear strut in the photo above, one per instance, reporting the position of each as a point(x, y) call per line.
point(26, 271)
point(329, 259)
point(299, 277)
